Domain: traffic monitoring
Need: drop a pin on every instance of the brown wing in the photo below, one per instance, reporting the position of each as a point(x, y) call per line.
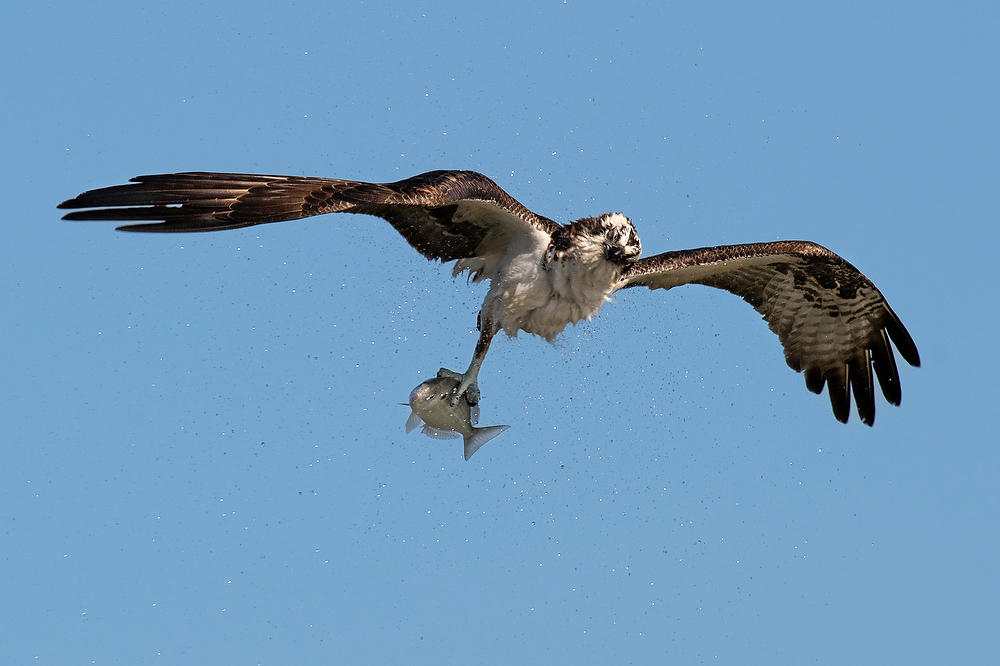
point(832, 321)
point(443, 214)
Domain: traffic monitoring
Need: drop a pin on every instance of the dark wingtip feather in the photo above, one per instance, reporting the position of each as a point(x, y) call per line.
point(127, 214)
point(815, 380)
point(860, 373)
point(194, 224)
point(901, 337)
point(840, 395)
point(158, 227)
point(884, 362)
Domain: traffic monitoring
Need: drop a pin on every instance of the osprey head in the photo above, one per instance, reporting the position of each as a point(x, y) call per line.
point(609, 237)
point(620, 242)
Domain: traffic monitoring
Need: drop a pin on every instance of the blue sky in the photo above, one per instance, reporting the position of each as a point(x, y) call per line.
point(205, 459)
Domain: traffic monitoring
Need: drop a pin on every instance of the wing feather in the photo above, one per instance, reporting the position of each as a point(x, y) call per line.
point(840, 396)
point(884, 363)
point(445, 215)
point(815, 380)
point(834, 324)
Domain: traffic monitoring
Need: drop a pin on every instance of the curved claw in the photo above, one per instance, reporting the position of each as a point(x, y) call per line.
point(470, 389)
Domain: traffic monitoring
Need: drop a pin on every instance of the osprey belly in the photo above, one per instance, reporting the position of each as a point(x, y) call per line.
point(543, 298)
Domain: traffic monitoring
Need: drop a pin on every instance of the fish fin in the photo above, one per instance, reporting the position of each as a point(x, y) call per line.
point(440, 433)
point(413, 422)
point(480, 436)
point(474, 414)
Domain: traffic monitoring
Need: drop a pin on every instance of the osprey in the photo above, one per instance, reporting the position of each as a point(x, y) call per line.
point(834, 324)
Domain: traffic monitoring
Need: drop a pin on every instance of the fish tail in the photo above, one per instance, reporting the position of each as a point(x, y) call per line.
point(480, 436)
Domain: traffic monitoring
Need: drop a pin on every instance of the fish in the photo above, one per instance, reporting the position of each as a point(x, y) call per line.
point(431, 404)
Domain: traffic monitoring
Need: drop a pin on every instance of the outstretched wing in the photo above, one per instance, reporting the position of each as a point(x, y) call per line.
point(832, 321)
point(443, 214)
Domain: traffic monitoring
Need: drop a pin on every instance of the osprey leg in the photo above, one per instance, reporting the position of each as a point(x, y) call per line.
point(468, 380)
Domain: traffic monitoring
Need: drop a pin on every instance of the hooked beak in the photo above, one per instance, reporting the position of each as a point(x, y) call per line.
point(613, 252)
point(616, 254)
